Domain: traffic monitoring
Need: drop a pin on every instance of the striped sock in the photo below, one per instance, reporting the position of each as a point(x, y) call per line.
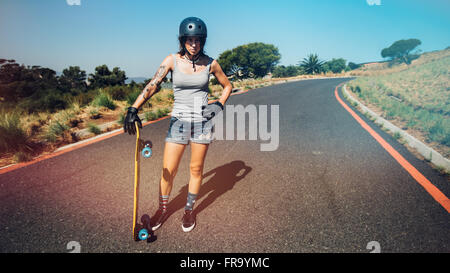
point(190, 201)
point(163, 200)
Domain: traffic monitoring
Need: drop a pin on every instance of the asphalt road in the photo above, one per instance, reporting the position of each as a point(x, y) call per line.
point(329, 187)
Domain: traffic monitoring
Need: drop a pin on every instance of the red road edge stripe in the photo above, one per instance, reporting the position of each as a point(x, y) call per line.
point(422, 180)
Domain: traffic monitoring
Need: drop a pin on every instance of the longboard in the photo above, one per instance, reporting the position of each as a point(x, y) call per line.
point(140, 230)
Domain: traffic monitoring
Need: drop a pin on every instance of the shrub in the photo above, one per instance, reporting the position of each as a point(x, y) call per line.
point(12, 136)
point(56, 129)
point(439, 133)
point(131, 98)
point(160, 112)
point(85, 98)
point(352, 65)
point(397, 135)
point(117, 92)
point(93, 128)
point(50, 101)
point(104, 100)
point(150, 116)
point(94, 114)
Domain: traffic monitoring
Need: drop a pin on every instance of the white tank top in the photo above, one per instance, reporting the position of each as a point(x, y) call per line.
point(190, 92)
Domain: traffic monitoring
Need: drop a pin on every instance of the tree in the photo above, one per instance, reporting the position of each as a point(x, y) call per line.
point(292, 70)
point(352, 65)
point(119, 76)
point(73, 78)
point(336, 65)
point(18, 81)
point(282, 71)
point(400, 50)
point(11, 75)
point(104, 77)
point(312, 64)
point(325, 68)
point(227, 61)
point(250, 60)
point(133, 84)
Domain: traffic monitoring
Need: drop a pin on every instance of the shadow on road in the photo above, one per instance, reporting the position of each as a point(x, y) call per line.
point(223, 179)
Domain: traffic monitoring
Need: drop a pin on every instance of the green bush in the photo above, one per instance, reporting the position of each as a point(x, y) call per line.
point(93, 128)
point(56, 129)
point(13, 137)
point(150, 116)
point(86, 98)
point(131, 98)
point(94, 114)
point(117, 92)
point(280, 71)
point(440, 132)
point(166, 111)
point(397, 135)
point(50, 101)
point(160, 112)
point(104, 100)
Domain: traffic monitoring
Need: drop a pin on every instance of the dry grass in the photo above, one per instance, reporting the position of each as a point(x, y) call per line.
point(415, 97)
point(374, 69)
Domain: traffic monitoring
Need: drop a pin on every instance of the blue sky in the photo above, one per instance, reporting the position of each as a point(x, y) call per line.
point(136, 35)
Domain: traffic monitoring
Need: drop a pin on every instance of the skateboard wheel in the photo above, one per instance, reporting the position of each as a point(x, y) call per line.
point(143, 234)
point(147, 152)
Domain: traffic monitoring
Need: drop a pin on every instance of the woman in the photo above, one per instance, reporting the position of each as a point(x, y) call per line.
point(191, 115)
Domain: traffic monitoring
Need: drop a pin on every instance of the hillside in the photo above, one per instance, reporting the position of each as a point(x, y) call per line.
point(415, 97)
point(382, 68)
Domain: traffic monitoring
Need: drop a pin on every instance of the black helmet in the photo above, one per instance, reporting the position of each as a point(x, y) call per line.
point(193, 26)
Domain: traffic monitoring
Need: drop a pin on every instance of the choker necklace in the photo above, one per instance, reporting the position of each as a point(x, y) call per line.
point(192, 61)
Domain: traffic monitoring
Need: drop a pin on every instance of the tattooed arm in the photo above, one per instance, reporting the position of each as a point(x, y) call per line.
point(154, 85)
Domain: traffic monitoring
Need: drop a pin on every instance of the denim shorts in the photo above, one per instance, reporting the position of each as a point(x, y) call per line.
point(181, 131)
